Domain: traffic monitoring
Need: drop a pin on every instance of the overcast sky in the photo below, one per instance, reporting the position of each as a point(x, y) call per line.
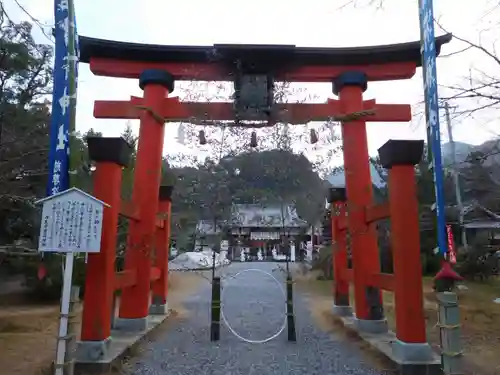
point(303, 23)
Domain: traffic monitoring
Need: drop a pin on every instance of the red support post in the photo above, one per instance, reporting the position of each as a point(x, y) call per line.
point(400, 157)
point(368, 300)
point(159, 304)
point(110, 155)
point(341, 306)
point(405, 238)
point(341, 295)
point(134, 304)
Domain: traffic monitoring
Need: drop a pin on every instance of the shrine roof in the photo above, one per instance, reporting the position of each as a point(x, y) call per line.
point(258, 216)
point(207, 227)
point(271, 55)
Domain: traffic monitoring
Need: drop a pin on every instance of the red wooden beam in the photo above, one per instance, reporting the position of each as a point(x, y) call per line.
point(132, 213)
point(215, 72)
point(125, 279)
point(384, 281)
point(294, 113)
point(128, 210)
point(377, 212)
point(181, 71)
point(155, 273)
point(379, 72)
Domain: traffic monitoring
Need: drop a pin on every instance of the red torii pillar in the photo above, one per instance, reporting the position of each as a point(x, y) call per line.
point(159, 305)
point(111, 156)
point(349, 86)
point(337, 198)
point(400, 158)
point(135, 300)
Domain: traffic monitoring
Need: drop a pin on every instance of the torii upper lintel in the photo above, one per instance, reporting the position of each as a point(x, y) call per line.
point(224, 62)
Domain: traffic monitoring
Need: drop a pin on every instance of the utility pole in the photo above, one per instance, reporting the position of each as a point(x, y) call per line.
point(456, 180)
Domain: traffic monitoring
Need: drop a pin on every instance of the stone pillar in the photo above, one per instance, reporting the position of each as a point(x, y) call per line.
point(224, 247)
point(292, 251)
point(309, 249)
point(110, 155)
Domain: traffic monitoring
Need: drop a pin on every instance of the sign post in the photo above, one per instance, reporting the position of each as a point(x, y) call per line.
point(63, 121)
point(71, 223)
point(428, 52)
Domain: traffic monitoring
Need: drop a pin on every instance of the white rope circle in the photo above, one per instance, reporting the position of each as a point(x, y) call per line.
point(283, 326)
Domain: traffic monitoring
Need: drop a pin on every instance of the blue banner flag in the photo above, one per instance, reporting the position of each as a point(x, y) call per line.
point(64, 95)
point(428, 51)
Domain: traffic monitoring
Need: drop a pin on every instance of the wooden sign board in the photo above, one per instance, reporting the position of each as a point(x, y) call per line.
point(71, 223)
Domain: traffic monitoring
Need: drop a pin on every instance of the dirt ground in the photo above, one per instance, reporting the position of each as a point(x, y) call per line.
point(480, 319)
point(28, 333)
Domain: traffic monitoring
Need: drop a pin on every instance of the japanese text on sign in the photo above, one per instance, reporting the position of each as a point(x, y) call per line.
point(71, 223)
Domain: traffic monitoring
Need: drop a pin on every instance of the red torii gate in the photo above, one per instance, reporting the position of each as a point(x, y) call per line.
point(156, 67)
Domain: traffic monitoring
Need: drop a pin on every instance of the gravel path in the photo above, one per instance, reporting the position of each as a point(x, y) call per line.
point(254, 307)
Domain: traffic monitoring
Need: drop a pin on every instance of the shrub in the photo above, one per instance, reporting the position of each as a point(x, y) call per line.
point(49, 288)
point(477, 263)
point(431, 263)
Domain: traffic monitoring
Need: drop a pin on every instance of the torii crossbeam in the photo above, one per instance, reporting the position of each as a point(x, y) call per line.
point(175, 110)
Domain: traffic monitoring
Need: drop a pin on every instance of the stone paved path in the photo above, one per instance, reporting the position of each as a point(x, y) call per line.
point(254, 307)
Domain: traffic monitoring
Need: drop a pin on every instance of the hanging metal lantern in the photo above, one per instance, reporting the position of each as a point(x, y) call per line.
point(313, 136)
point(253, 95)
point(253, 139)
point(201, 137)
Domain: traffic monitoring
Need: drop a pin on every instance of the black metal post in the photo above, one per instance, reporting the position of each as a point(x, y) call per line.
point(213, 265)
point(290, 318)
point(215, 325)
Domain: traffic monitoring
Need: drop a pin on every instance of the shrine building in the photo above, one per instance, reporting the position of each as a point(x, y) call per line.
point(255, 227)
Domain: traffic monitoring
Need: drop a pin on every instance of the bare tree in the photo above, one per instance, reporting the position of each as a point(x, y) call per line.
point(479, 89)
